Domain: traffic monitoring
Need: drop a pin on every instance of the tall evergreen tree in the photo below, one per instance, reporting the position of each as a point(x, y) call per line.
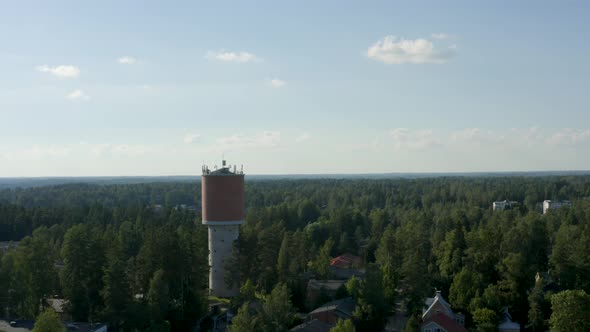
point(571, 311)
point(389, 259)
point(277, 311)
point(321, 265)
point(48, 321)
point(243, 321)
point(116, 293)
point(284, 259)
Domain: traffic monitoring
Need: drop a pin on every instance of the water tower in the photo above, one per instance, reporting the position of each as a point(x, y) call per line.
point(222, 192)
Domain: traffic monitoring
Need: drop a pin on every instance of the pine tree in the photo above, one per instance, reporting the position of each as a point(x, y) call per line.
point(243, 321)
point(388, 258)
point(159, 296)
point(48, 321)
point(535, 315)
point(343, 326)
point(321, 264)
point(571, 311)
point(283, 259)
point(116, 292)
point(277, 311)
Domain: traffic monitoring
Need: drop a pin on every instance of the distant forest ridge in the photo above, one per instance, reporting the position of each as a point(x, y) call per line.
point(27, 182)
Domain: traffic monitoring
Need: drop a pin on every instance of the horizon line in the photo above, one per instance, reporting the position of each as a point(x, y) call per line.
point(297, 174)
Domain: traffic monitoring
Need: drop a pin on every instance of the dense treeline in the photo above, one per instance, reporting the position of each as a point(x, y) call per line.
point(133, 267)
point(141, 267)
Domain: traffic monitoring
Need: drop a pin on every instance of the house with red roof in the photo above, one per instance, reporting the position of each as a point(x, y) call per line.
point(346, 261)
point(437, 316)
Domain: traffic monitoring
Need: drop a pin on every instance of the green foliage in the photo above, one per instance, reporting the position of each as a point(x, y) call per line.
point(308, 211)
point(32, 277)
point(82, 276)
point(162, 326)
point(353, 287)
point(389, 258)
point(247, 291)
point(485, 319)
point(415, 277)
point(450, 252)
point(48, 321)
point(277, 311)
point(536, 314)
point(269, 244)
point(343, 326)
point(243, 321)
point(412, 325)
point(370, 304)
point(465, 287)
point(571, 311)
point(116, 293)
point(422, 233)
point(570, 259)
point(284, 258)
point(159, 296)
point(321, 265)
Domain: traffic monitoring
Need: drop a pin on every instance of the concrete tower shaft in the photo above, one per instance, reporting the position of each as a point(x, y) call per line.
point(222, 193)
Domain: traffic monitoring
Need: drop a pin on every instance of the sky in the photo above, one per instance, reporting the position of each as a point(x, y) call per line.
point(109, 88)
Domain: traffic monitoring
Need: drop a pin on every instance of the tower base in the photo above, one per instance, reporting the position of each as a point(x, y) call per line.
point(221, 240)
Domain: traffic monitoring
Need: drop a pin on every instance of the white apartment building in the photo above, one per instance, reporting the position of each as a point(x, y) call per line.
point(550, 205)
point(503, 205)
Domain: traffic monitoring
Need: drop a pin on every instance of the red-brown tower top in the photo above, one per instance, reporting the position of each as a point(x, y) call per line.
point(222, 192)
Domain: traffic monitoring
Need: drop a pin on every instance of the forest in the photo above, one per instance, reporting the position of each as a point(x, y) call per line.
point(135, 255)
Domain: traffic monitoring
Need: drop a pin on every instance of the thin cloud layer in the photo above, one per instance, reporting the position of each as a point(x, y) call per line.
point(412, 139)
point(569, 136)
point(519, 137)
point(77, 95)
point(127, 60)
point(191, 138)
point(277, 83)
point(236, 57)
point(303, 137)
point(393, 50)
point(440, 35)
point(265, 139)
point(63, 71)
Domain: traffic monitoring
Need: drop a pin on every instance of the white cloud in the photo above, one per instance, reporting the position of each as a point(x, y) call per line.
point(131, 150)
point(191, 138)
point(127, 60)
point(37, 152)
point(569, 136)
point(475, 136)
point(392, 50)
point(525, 138)
point(265, 139)
point(99, 150)
point(238, 57)
point(440, 35)
point(277, 83)
point(412, 139)
point(63, 71)
point(77, 95)
point(303, 137)
point(496, 138)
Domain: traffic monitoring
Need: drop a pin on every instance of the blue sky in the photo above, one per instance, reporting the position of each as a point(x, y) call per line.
point(158, 88)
